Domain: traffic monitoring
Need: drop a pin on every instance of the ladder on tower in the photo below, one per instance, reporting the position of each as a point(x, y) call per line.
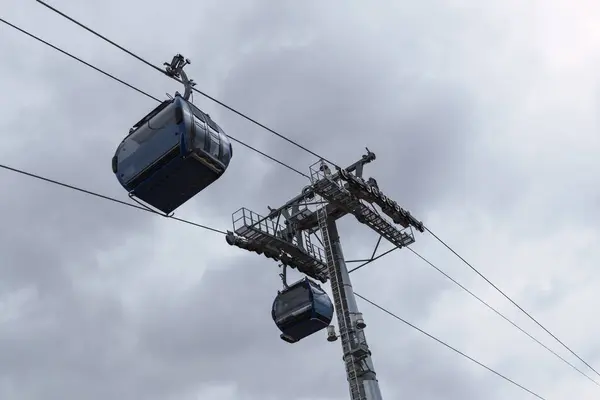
point(344, 322)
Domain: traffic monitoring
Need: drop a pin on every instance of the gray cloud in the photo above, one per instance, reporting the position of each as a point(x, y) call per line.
point(470, 129)
point(333, 101)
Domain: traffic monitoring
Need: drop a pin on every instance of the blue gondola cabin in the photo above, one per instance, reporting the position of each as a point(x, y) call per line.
point(171, 154)
point(301, 309)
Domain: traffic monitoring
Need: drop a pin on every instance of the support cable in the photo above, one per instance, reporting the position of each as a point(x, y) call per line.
point(449, 346)
point(502, 316)
point(142, 92)
point(105, 197)
point(485, 304)
point(511, 300)
point(281, 136)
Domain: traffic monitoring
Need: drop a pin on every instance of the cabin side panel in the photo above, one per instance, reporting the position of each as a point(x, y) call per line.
point(148, 144)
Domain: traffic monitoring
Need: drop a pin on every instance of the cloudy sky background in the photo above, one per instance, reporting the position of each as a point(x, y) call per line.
point(483, 119)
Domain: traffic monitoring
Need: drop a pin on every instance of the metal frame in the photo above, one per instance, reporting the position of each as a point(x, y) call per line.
point(372, 255)
point(286, 235)
point(174, 69)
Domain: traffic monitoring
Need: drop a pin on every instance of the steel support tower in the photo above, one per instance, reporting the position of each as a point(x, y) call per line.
point(311, 217)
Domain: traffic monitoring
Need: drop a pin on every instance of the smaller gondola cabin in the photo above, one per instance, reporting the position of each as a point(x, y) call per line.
point(171, 154)
point(301, 309)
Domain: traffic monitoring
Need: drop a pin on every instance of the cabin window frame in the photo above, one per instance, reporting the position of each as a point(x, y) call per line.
point(293, 299)
point(149, 127)
point(226, 148)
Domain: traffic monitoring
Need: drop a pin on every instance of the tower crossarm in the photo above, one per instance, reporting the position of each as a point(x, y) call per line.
point(266, 237)
point(342, 198)
point(370, 192)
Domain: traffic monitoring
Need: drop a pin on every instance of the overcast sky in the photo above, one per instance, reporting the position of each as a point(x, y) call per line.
point(483, 117)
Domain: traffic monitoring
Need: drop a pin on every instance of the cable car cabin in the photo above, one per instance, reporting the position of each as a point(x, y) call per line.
point(301, 309)
point(171, 154)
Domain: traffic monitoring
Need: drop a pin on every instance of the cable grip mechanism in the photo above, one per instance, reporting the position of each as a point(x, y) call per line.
point(175, 70)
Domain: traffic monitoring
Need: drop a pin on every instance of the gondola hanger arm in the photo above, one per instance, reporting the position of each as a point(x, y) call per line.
point(174, 69)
